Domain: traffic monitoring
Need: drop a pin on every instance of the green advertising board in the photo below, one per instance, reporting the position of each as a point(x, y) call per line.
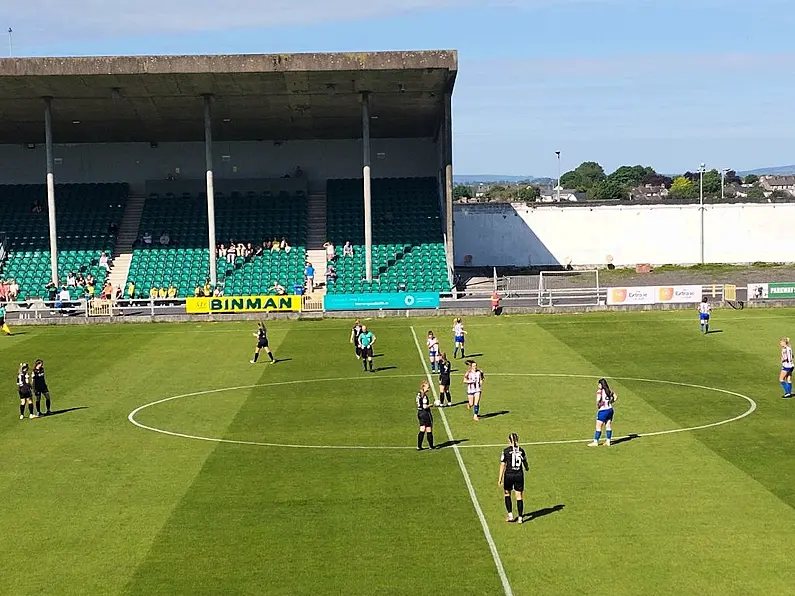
point(781, 291)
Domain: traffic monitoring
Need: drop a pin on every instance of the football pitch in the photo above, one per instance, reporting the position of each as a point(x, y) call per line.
point(173, 466)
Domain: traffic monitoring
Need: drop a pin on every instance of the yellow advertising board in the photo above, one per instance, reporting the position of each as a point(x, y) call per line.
point(232, 304)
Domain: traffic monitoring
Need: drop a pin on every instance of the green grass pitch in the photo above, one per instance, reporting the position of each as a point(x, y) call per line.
point(93, 504)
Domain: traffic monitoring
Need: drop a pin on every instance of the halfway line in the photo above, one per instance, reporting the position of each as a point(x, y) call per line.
point(472, 495)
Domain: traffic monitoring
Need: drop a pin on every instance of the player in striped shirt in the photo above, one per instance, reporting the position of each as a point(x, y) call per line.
point(473, 379)
point(433, 350)
point(605, 398)
point(787, 366)
point(458, 337)
point(703, 314)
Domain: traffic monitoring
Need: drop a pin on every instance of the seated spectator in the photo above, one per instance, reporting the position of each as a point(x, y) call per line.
point(284, 246)
point(197, 292)
point(309, 272)
point(13, 290)
point(71, 280)
point(221, 251)
point(104, 262)
point(131, 290)
point(277, 289)
point(240, 250)
point(275, 245)
point(261, 248)
point(52, 291)
point(113, 229)
point(231, 252)
point(218, 292)
point(347, 249)
point(153, 292)
point(63, 297)
point(207, 290)
point(331, 252)
point(165, 239)
point(172, 291)
point(147, 239)
point(36, 207)
point(331, 274)
point(248, 252)
point(118, 294)
point(162, 292)
point(90, 280)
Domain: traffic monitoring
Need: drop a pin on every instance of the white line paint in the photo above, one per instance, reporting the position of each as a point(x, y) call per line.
point(131, 416)
point(506, 586)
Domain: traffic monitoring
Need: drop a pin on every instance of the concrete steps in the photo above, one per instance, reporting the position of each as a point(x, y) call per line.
point(316, 221)
point(125, 239)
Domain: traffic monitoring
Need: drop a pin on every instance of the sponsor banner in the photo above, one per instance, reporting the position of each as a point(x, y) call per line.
point(399, 301)
point(678, 294)
point(633, 295)
point(772, 291)
point(227, 304)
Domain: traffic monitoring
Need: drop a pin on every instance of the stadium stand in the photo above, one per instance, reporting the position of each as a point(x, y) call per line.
point(408, 243)
point(242, 218)
point(84, 215)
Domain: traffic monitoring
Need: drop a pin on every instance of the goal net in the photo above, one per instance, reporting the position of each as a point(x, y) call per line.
point(573, 288)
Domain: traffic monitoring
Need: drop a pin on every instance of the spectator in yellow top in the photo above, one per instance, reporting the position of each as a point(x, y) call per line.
point(172, 291)
point(207, 290)
point(197, 292)
point(275, 245)
point(131, 290)
point(153, 292)
point(90, 291)
point(162, 293)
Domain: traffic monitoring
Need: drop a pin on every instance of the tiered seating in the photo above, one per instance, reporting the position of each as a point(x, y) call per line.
point(84, 213)
point(241, 218)
point(408, 246)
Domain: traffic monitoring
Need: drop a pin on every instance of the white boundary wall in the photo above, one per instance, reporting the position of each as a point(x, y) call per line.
point(521, 235)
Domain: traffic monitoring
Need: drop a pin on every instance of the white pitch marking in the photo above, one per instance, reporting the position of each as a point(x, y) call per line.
point(131, 416)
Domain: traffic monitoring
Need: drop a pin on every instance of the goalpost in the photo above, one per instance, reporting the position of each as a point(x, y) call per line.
point(569, 288)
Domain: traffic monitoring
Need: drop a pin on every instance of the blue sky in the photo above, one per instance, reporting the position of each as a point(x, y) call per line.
point(669, 83)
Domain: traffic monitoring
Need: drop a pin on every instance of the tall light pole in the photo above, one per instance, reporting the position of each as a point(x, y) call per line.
point(10, 42)
point(723, 173)
point(557, 186)
point(701, 169)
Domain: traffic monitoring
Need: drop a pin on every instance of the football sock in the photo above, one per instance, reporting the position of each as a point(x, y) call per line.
point(48, 403)
point(430, 440)
point(520, 507)
point(420, 436)
point(256, 356)
point(477, 409)
point(449, 398)
point(22, 410)
point(30, 407)
point(455, 353)
point(609, 434)
point(508, 504)
point(462, 353)
point(784, 386)
point(371, 366)
point(706, 328)
point(433, 366)
point(788, 388)
point(38, 405)
point(271, 356)
point(364, 363)
point(596, 435)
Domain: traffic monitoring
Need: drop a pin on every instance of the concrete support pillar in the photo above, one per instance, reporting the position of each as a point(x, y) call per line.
point(51, 188)
point(447, 139)
point(208, 165)
point(368, 215)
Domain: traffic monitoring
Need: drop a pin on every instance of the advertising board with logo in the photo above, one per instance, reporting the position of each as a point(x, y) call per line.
point(639, 295)
point(399, 301)
point(678, 294)
point(243, 304)
point(772, 291)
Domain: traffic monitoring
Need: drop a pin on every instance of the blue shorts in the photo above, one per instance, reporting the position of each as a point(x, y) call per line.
point(703, 316)
point(788, 369)
point(604, 415)
point(459, 339)
point(433, 354)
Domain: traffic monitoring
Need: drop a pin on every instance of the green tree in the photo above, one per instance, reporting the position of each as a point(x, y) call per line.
point(527, 193)
point(630, 176)
point(751, 179)
point(461, 191)
point(607, 190)
point(756, 193)
point(712, 183)
point(583, 177)
point(682, 188)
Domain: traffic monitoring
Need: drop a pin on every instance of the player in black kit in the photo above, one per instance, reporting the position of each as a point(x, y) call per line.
point(40, 387)
point(424, 415)
point(355, 333)
point(262, 344)
point(25, 393)
point(444, 380)
point(513, 463)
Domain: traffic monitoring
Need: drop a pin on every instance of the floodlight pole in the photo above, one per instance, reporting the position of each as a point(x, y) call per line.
point(448, 174)
point(208, 164)
point(368, 216)
point(557, 186)
point(51, 189)
point(702, 168)
point(723, 173)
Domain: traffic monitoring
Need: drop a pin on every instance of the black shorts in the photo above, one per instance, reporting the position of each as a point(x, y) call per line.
point(425, 417)
point(2, 321)
point(39, 390)
point(358, 350)
point(25, 393)
point(444, 380)
point(367, 352)
point(262, 344)
point(513, 481)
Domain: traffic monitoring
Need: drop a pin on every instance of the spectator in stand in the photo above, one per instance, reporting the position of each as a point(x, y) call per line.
point(36, 207)
point(221, 251)
point(131, 290)
point(90, 280)
point(218, 292)
point(90, 290)
point(275, 245)
point(64, 297)
point(118, 294)
point(13, 290)
point(261, 248)
point(231, 251)
point(285, 246)
point(147, 239)
point(113, 229)
point(71, 280)
point(197, 292)
point(277, 289)
point(309, 272)
point(165, 239)
point(153, 292)
point(207, 290)
point(162, 293)
point(298, 172)
point(248, 253)
point(52, 291)
point(172, 292)
point(240, 250)
point(104, 262)
point(331, 273)
point(347, 249)
point(107, 291)
point(331, 253)
point(80, 281)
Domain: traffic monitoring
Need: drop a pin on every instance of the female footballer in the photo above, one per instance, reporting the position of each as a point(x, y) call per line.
point(513, 463)
point(445, 367)
point(262, 344)
point(473, 379)
point(25, 393)
point(703, 315)
point(356, 331)
point(787, 366)
point(40, 387)
point(458, 337)
point(605, 398)
point(433, 350)
point(424, 415)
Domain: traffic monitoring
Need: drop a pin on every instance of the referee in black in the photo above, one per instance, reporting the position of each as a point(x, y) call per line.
point(262, 344)
point(513, 463)
point(424, 415)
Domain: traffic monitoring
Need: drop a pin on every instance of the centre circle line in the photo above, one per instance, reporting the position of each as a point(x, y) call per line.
point(131, 416)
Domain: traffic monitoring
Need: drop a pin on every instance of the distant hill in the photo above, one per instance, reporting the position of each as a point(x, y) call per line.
point(779, 170)
point(489, 178)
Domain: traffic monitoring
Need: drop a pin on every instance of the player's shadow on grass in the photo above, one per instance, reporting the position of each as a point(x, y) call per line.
point(542, 512)
point(458, 403)
point(629, 437)
point(278, 360)
point(494, 414)
point(65, 411)
point(711, 331)
point(451, 443)
point(377, 355)
point(472, 356)
point(383, 368)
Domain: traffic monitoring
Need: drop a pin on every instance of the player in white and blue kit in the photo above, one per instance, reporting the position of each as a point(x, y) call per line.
point(433, 350)
point(458, 337)
point(703, 315)
point(605, 398)
point(787, 366)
